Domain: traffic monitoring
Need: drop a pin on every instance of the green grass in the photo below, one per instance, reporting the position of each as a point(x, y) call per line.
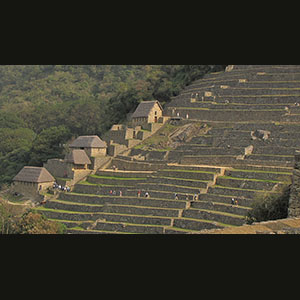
point(118, 178)
point(184, 179)
point(261, 171)
point(218, 213)
point(173, 185)
point(240, 189)
point(95, 184)
point(159, 137)
point(251, 179)
point(188, 171)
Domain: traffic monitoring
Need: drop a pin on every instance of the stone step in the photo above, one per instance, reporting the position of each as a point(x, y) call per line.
point(270, 157)
point(115, 180)
point(124, 174)
point(133, 191)
point(227, 208)
point(247, 141)
point(110, 217)
point(180, 189)
point(112, 208)
point(191, 224)
point(232, 151)
point(249, 184)
point(226, 199)
point(124, 200)
point(278, 150)
point(187, 168)
point(234, 192)
point(182, 182)
point(122, 164)
point(257, 92)
point(225, 218)
point(271, 169)
point(196, 175)
point(128, 228)
point(217, 160)
point(231, 115)
point(263, 175)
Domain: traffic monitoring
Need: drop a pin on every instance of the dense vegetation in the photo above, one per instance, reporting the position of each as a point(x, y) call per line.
point(27, 223)
point(270, 206)
point(43, 106)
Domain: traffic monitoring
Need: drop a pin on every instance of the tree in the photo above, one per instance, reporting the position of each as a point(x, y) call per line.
point(34, 223)
point(6, 220)
point(48, 144)
point(12, 163)
point(270, 206)
point(12, 139)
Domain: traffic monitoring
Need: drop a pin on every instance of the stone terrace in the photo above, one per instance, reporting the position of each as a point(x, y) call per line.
point(254, 120)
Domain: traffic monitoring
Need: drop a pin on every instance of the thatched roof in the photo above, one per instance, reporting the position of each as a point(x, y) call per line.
point(77, 157)
point(144, 109)
point(34, 174)
point(88, 141)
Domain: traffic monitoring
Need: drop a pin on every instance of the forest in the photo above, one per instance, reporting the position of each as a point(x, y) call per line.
point(44, 106)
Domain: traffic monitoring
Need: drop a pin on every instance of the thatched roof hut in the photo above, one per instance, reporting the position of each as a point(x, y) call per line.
point(34, 174)
point(77, 157)
point(88, 141)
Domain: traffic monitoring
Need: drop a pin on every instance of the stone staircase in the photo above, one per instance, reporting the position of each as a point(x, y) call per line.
point(254, 121)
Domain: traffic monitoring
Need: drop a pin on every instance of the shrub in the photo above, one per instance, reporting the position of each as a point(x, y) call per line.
point(270, 206)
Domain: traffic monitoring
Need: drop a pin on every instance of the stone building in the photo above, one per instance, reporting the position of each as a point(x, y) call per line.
point(78, 159)
point(91, 144)
point(32, 180)
point(147, 112)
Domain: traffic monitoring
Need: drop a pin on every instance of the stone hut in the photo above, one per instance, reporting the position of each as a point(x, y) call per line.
point(91, 144)
point(31, 180)
point(147, 112)
point(78, 159)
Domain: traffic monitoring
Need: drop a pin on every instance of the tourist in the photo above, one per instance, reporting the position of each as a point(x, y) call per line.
point(110, 192)
point(195, 197)
point(139, 193)
point(236, 202)
point(232, 201)
point(176, 196)
point(121, 193)
point(147, 195)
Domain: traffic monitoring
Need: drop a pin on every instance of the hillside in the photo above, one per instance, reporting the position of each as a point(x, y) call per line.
point(247, 125)
point(43, 106)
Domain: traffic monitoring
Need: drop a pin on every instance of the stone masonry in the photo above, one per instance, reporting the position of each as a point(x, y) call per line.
point(294, 202)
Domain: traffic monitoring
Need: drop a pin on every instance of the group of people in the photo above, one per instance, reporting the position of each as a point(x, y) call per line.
point(61, 188)
point(114, 193)
point(234, 202)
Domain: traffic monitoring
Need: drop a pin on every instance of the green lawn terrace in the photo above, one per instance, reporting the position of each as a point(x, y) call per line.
point(161, 213)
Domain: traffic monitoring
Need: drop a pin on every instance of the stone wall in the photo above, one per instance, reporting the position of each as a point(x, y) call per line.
point(59, 168)
point(30, 189)
point(294, 202)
